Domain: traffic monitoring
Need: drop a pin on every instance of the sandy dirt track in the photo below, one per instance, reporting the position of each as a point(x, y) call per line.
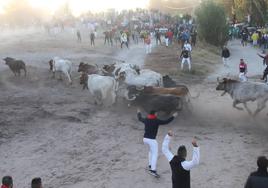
point(53, 130)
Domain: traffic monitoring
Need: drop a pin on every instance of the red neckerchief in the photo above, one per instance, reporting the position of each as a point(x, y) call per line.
point(151, 116)
point(4, 186)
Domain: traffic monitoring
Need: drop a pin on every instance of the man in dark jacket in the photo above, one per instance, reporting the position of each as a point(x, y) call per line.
point(259, 178)
point(225, 54)
point(179, 166)
point(151, 128)
point(265, 63)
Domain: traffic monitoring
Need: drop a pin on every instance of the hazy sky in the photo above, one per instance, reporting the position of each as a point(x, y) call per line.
point(79, 6)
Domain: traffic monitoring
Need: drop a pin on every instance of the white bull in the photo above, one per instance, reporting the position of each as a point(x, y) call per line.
point(102, 88)
point(61, 65)
point(242, 92)
point(145, 78)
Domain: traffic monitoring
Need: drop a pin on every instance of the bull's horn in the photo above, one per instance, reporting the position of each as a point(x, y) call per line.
point(218, 79)
point(140, 88)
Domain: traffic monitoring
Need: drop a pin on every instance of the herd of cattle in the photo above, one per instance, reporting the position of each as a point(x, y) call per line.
point(144, 87)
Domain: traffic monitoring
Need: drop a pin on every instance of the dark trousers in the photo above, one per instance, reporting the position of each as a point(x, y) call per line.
point(265, 73)
point(126, 43)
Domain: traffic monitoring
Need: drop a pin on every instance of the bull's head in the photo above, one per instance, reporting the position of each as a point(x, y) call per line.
point(80, 67)
point(108, 69)
point(121, 77)
point(223, 85)
point(132, 93)
point(8, 59)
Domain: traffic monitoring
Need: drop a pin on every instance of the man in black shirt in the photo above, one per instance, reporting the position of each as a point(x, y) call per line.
point(179, 166)
point(185, 55)
point(225, 54)
point(259, 178)
point(151, 128)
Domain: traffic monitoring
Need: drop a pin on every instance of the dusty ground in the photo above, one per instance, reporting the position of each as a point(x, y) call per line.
point(53, 130)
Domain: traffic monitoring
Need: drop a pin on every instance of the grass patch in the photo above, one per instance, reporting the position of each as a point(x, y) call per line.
point(166, 61)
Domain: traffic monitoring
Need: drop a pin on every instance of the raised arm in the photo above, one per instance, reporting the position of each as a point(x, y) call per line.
point(140, 118)
point(188, 165)
point(164, 122)
point(165, 147)
point(261, 55)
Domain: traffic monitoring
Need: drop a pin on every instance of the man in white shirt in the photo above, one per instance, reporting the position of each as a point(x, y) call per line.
point(179, 166)
point(187, 46)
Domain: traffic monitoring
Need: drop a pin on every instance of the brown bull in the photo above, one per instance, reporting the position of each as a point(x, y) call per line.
point(180, 91)
point(89, 69)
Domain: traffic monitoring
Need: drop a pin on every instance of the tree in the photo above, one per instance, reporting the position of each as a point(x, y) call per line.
point(20, 13)
point(212, 23)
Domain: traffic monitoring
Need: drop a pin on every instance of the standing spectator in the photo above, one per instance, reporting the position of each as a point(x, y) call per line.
point(244, 36)
point(187, 46)
point(166, 39)
point(185, 58)
point(179, 166)
point(111, 36)
point(158, 38)
point(225, 54)
point(148, 44)
point(265, 41)
point(7, 182)
point(193, 38)
point(170, 36)
point(242, 71)
point(124, 39)
point(92, 38)
point(255, 38)
point(78, 34)
point(36, 183)
point(259, 178)
point(151, 128)
point(265, 63)
point(184, 37)
point(106, 37)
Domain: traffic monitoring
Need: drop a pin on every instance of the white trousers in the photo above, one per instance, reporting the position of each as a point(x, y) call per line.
point(184, 60)
point(166, 41)
point(153, 151)
point(148, 48)
point(225, 61)
point(242, 77)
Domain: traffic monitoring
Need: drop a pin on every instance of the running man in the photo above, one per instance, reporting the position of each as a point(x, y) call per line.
point(152, 123)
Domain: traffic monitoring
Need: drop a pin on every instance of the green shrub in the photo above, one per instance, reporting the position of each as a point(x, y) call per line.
point(212, 23)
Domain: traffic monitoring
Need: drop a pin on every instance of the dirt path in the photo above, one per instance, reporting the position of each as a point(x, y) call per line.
point(53, 130)
point(248, 53)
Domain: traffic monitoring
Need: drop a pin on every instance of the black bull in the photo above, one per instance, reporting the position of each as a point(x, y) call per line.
point(159, 103)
